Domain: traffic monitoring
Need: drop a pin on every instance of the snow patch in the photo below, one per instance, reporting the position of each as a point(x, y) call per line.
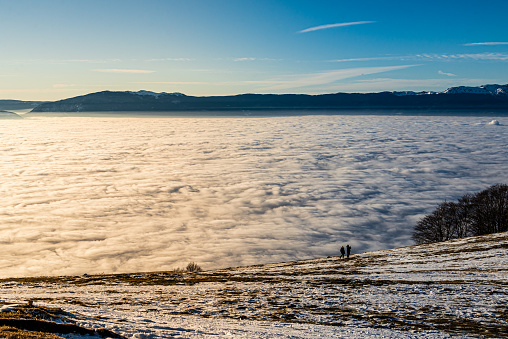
point(9, 308)
point(154, 94)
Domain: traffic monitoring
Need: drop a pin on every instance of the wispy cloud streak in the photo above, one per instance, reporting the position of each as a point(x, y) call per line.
point(448, 74)
point(475, 56)
point(116, 70)
point(432, 56)
point(331, 76)
point(255, 59)
point(173, 82)
point(370, 59)
point(395, 84)
point(486, 43)
point(343, 24)
point(170, 59)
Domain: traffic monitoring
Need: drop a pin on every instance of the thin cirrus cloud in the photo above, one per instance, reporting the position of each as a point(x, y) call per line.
point(432, 57)
point(395, 84)
point(370, 59)
point(342, 24)
point(129, 71)
point(331, 76)
point(255, 59)
point(493, 43)
point(467, 56)
point(244, 59)
point(448, 74)
point(170, 59)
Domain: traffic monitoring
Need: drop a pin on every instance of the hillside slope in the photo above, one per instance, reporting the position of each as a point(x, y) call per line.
point(455, 288)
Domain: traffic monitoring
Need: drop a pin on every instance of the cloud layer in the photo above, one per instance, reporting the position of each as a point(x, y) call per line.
point(92, 195)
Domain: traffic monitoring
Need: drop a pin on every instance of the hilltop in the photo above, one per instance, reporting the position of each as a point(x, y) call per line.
point(492, 97)
point(454, 288)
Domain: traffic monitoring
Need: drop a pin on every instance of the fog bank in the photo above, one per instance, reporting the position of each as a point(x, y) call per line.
point(92, 195)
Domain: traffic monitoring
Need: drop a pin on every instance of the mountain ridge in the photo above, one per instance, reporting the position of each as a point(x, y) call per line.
point(8, 104)
point(462, 97)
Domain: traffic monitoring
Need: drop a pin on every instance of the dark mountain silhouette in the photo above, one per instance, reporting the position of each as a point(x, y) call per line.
point(9, 115)
point(18, 104)
point(493, 97)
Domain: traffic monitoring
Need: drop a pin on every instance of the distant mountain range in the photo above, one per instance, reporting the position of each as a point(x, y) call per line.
point(18, 104)
point(492, 97)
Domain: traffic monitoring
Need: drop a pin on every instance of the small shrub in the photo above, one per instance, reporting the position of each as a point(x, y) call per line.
point(193, 267)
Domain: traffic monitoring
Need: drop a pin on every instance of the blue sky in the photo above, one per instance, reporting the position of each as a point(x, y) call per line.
point(56, 49)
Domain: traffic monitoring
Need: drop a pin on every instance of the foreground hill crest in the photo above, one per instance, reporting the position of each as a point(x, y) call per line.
point(454, 288)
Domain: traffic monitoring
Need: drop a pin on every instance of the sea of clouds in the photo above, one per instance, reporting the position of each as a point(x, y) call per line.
point(92, 195)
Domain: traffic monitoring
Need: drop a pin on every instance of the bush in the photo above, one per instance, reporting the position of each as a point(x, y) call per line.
point(193, 267)
point(485, 212)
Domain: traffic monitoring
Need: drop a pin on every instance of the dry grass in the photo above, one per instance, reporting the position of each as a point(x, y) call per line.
point(29, 321)
point(10, 332)
point(320, 291)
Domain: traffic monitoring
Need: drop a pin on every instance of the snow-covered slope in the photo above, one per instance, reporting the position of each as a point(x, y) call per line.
point(457, 288)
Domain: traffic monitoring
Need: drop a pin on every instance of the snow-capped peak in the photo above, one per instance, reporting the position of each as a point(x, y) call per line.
point(485, 89)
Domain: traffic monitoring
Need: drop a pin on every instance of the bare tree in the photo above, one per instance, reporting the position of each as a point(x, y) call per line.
point(441, 225)
point(490, 210)
point(465, 212)
point(425, 230)
point(485, 212)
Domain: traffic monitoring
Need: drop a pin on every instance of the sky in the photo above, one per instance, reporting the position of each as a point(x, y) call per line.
point(55, 49)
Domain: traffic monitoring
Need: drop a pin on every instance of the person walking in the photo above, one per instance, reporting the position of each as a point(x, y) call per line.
point(342, 252)
point(348, 250)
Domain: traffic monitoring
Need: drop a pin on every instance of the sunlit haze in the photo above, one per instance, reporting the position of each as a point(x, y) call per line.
point(57, 49)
